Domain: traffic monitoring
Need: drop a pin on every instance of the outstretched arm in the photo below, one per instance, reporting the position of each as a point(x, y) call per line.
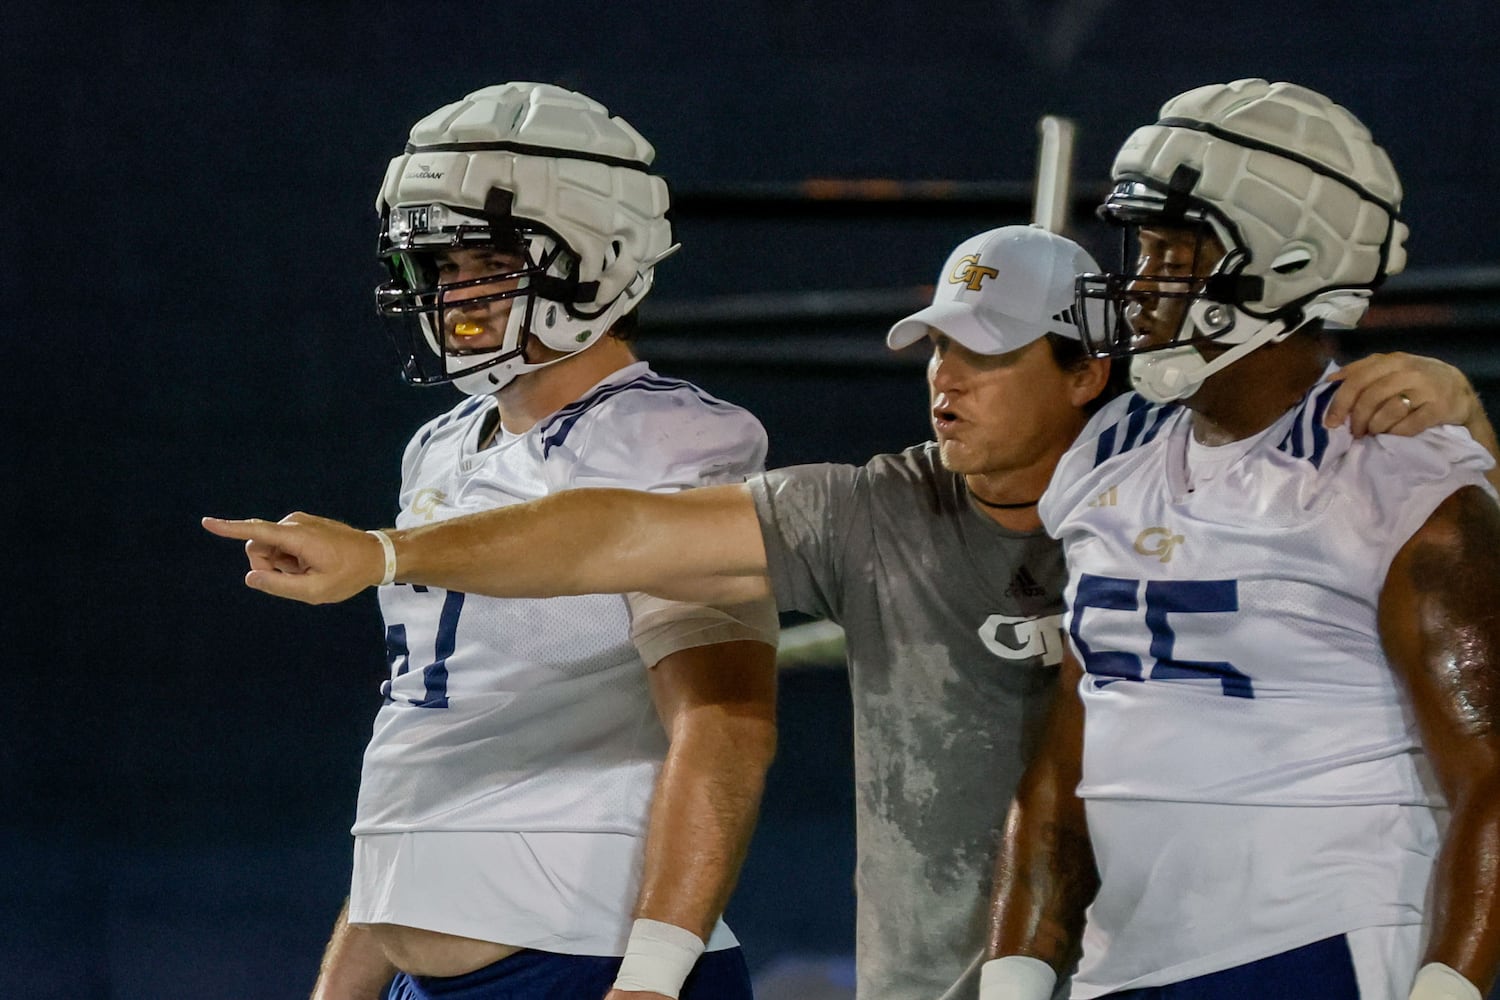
point(1406, 394)
point(1044, 875)
point(702, 545)
point(1440, 627)
point(718, 704)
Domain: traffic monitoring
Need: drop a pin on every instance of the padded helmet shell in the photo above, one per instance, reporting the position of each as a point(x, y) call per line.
point(562, 162)
point(527, 164)
point(1284, 175)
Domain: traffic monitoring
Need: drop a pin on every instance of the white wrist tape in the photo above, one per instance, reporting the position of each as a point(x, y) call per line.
point(389, 548)
point(1016, 977)
point(1436, 981)
point(658, 957)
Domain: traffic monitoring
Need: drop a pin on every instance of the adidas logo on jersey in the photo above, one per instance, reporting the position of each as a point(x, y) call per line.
point(1023, 584)
point(1109, 498)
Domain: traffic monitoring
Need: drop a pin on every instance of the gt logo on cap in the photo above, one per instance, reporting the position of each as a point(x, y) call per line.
point(969, 274)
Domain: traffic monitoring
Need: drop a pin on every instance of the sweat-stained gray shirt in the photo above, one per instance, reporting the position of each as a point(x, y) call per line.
point(953, 637)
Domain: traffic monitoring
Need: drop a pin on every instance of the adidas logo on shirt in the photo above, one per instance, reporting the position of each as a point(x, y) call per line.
point(1109, 498)
point(1023, 584)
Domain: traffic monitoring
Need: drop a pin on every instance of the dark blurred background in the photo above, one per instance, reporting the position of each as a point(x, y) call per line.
point(188, 270)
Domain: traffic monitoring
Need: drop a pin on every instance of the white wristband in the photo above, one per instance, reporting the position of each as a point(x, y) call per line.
point(389, 548)
point(1436, 981)
point(1016, 977)
point(658, 957)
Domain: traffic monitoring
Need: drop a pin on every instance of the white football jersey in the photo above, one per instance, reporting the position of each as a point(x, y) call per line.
point(1251, 778)
point(531, 716)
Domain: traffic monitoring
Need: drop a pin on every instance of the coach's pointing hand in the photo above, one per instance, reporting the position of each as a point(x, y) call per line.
point(304, 557)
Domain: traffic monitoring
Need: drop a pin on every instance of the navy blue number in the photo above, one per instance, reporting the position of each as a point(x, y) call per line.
point(1111, 593)
point(1168, 597)
point(1163, 598)
point(435, 674)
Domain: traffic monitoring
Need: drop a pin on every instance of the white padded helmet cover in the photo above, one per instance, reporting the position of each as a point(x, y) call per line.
point(611, 216)
point(1282, 210)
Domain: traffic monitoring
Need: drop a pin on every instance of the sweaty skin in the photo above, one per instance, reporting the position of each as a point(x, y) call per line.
point(1441, 632)
point(1045, 872)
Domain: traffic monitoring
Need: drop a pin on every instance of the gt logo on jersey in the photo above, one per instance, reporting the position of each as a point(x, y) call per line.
point(1158, 542)
point(969, 274)
point(426, 502)
point(1012, 638)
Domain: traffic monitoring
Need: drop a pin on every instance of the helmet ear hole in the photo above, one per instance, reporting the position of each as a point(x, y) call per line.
point(1291, 261)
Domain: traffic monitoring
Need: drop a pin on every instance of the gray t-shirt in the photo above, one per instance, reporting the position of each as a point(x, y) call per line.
point(953, 636)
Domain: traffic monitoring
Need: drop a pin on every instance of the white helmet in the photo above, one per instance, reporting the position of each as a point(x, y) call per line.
point(1306, 205)
point(538, 172)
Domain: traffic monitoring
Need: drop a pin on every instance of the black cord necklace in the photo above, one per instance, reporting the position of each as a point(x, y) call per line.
point(1002, 506)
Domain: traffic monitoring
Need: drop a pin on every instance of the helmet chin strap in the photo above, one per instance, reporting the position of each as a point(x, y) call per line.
point(488, 381)
point(1175, 373)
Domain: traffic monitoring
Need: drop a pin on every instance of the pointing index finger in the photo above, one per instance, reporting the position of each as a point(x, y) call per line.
point(252, 529)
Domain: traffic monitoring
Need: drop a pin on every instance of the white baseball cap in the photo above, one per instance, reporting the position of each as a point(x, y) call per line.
point(1001, 290)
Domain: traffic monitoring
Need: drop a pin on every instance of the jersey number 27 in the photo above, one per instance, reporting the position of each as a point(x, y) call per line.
point(435, 674)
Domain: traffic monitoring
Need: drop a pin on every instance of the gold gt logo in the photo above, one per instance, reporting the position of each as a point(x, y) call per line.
point(426, 502)
point(1158, 542)
point(969, 274)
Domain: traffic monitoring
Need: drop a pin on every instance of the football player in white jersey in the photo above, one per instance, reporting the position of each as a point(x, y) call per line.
point(949, 676)
point(1273, 768)
point(535, 802)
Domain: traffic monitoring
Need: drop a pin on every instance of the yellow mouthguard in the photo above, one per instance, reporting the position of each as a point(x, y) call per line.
point(467, 329)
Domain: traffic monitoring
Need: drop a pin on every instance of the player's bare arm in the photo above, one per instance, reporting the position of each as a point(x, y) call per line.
point(718, 704)
point(1441, 631)
point(701, 545)
point(1044, 874)
point(1406, 394)
point(354, 967)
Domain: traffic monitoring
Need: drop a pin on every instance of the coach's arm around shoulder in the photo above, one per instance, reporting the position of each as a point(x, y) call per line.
point(1044, 873)
point(1439, 620)
point(699, 545)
